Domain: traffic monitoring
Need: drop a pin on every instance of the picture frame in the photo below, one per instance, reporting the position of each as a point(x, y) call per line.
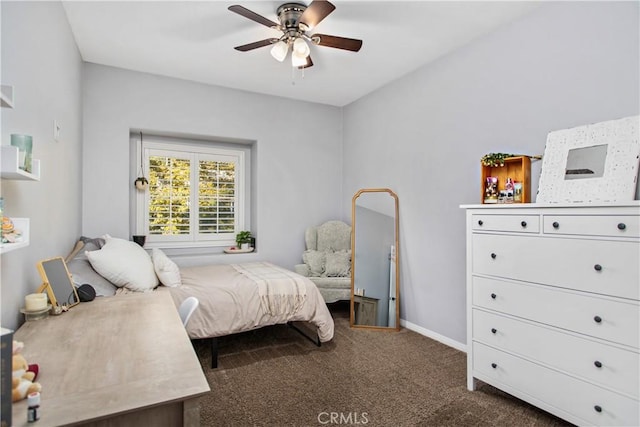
point(595, 163)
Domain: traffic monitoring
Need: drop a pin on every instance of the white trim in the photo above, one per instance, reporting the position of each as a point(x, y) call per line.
point(434, 335)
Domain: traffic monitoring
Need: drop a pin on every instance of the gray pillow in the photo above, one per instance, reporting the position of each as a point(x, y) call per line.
point(82, 272)
point(315, 260)
point(338, 264)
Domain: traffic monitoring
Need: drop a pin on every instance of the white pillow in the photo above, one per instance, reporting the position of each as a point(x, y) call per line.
point(168, 272)
point(125, 264)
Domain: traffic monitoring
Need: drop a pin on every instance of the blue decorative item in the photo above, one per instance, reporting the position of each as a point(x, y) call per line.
point(25, 148)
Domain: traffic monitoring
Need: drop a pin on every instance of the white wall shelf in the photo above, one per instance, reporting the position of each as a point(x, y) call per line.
point(6, 96)
point(21, 224)
point(9, 168)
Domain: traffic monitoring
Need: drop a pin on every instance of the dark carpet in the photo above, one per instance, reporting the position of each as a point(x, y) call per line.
point(276, 377)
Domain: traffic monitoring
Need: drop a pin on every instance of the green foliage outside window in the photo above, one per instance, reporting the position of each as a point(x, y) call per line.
point(170, 190)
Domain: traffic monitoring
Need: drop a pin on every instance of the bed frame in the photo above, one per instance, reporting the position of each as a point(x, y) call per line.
point(214, 343)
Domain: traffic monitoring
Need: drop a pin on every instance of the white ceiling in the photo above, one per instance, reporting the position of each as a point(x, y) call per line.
point(194, 40)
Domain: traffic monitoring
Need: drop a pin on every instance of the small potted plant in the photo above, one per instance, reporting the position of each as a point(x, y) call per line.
point(243, 239)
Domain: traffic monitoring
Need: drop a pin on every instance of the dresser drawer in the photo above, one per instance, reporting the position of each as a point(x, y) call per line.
point(567, 394)
point(511, 223)
point(595, 361)
point(593, 225)
point(611, 320)
point(600, 266)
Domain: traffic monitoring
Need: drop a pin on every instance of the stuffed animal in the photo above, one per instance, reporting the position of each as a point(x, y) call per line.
point(23, 375)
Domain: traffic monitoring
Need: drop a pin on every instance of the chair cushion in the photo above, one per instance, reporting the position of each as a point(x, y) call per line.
point(316, 262)
point(338, 264)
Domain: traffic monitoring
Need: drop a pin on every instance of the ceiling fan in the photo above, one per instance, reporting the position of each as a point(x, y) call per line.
point(296, 20)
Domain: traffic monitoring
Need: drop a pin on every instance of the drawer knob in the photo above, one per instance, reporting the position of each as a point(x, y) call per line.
point(597, 267)
point(597, 319)
point(523, 224)
point(494, 366)
point(598, 364)
point(494, 330)
point(480, 222)
point(598, 408)
point(556, 224)
point(622, 226)
point(493, 296)
point(493, 255)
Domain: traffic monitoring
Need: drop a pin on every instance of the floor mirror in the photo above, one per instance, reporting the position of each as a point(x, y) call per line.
point(375, 294)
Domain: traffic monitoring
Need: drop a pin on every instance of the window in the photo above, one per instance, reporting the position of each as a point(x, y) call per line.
point(196, 193)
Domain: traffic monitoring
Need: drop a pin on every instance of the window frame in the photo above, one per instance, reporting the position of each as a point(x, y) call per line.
point(195, 151)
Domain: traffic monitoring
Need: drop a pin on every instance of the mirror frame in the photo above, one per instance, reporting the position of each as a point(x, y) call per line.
point(353, 260)
point(46, 284)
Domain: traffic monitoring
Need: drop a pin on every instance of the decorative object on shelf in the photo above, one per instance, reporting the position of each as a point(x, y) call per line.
point(495, 159)
point(25, 149)
point(9, 233)
point(592, 163)
point(140, 239)
point(234, 250)
point(506, 172)
point(141, 183)
point(498, 159)
point(517, 192)
point(491, 190)
point(11, 165)
point(243, 239)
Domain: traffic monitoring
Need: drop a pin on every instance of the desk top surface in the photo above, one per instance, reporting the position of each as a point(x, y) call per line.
point(110, 356)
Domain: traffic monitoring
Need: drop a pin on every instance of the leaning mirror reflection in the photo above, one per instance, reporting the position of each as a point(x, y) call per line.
point(375, 293)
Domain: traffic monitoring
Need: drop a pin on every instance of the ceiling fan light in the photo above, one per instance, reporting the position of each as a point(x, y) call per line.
point(298, 60)
point(301, 47)
point(279, 50)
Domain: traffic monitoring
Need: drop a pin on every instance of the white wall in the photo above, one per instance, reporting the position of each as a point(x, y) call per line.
point(42, 63)
point(566, 64)
point(299, 153)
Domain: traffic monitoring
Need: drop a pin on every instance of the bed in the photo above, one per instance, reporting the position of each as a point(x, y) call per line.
point(242, 297)
point(232, 298)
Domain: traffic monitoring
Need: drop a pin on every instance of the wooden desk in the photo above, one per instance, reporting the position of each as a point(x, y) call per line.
point(115, 361)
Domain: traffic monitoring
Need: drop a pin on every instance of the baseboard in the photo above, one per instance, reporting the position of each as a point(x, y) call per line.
point(434, 335)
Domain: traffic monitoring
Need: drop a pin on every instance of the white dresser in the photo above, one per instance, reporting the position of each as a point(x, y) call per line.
point(553, 308)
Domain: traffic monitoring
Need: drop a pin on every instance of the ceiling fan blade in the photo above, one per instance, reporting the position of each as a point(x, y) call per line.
point(243, 11)
point(353, 45)
point(314, 13)
point(255, 45)
point(308, 64)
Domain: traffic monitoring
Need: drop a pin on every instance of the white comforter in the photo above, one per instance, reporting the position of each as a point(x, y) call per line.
point(230, 302)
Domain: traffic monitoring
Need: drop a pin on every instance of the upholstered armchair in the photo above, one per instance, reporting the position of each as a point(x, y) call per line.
point(327, 260)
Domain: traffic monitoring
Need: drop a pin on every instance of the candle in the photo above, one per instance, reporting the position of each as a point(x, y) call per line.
point(34, 302)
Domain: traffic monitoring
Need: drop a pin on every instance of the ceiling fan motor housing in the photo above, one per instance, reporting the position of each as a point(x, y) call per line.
point(289, 15)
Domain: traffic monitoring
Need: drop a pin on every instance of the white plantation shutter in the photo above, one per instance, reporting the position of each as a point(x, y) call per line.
point(169, 191)
point(216, 196)
point(195, 194)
